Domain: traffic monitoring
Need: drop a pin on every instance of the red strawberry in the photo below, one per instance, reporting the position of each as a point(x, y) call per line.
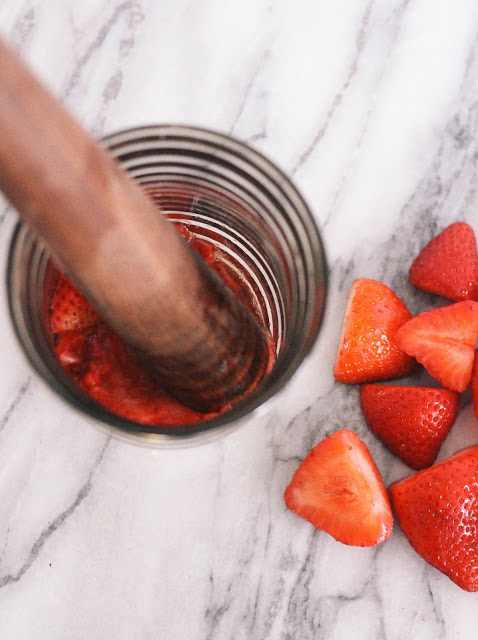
point(412, 422)
point(120, 382)
point(338, 488)
point(437, 510)
point(367, 350)
point(184, 231)
point(448, 265)
point(71, 348)
point(474, 383)
point(69, 308)
point(205, 249)
point(444, 340)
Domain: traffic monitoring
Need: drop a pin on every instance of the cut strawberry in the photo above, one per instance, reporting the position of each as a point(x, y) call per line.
point(338, 488)
point(71, 348)
point(69, 308)
point(448, 265)
point(368, 350)
point(119, 381)
point(444, 340)
point(437, 510)
point(205, 249)
point(474, 384)
point(412, 422)
point(185, 232)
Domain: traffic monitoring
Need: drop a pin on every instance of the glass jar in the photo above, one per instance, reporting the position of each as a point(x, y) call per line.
point(229, 195)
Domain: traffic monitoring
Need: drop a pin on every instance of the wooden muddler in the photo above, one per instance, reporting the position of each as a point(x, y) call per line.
point(125, 256)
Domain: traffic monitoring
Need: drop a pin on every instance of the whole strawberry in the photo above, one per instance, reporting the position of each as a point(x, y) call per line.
point(437, 510)
point(412, 422)
point(368, 350)
point(448, 265)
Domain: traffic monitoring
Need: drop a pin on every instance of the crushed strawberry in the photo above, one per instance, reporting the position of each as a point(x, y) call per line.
point(107, 370)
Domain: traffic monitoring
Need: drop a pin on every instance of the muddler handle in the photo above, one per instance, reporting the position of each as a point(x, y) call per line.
point(128, 259)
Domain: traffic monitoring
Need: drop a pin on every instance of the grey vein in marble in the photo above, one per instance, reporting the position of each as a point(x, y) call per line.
point(22, 29)
point(45, 535)
point(133, 10)
point(337, 100)
point(246, 93)
point(398, 16)
point(14, 404)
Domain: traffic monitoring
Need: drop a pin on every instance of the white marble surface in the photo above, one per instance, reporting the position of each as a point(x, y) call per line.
point(371, 106)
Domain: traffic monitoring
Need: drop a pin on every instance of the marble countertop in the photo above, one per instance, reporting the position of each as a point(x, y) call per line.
point(371, 106)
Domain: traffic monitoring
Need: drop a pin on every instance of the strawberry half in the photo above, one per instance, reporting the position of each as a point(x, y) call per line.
point(338, 488)
point(412, 422)
point(448, 265)
point(368, 350)
point(437, 510)
point(474, 384)
point(444, 340)
point(70, 310)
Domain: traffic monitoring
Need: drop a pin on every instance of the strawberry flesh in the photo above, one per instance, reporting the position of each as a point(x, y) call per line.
point(108, 371)
point(412, 422)
point(115, 377)
point(448, 265)
point(437, 511)
point(368, 350)
point(474, 384)
point(338, 488)
point(72, 348)
point(443, 341)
